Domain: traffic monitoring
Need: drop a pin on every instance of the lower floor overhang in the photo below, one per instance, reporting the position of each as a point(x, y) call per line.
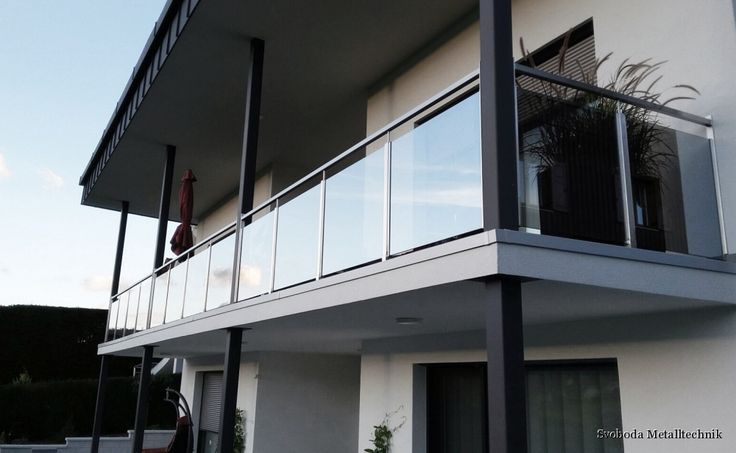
point(441, 290)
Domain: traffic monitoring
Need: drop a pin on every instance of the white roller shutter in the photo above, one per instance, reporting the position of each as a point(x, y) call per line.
point(211, 402)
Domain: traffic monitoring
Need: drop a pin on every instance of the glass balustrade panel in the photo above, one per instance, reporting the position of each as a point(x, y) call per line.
point(436, 176)
point(354, 205)
point(297, 239)
point(256, 256)
point(133, 301)
point(220, 279)
point(158, 308)
point(112, 319)
point(673, 187)
point(177, 286)
point(196, 286)
point(144, 301)
point(569, 181)
point(122, 314)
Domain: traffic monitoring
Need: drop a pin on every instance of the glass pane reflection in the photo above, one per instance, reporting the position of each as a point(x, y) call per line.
point(196, 288)
point(255, 258)
point(113, 319)
point(354, 214)
point(435, 178)
point(143, 303)
point(132, 309)
point(159, 299)
point(296, 240)
point(221, 273)
point(175, 299)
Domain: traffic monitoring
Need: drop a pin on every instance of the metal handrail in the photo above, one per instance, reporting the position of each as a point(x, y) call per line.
point(431, 102)
point(610, 94)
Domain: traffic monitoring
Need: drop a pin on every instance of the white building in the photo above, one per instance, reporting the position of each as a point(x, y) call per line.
point(388, 223)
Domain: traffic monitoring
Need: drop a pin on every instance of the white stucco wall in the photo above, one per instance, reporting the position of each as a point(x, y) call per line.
point(292, 401)
point(675, 371)
point(307, 403)
point(226, 213)
point(455, 59)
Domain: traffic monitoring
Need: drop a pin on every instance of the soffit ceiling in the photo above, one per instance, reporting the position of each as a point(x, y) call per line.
point(319, 56)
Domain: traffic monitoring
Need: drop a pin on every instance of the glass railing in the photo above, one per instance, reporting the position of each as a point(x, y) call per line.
point(592, 165)
point(415, 183)
point(597, 166)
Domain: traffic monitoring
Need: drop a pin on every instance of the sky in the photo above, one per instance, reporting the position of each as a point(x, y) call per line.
point(63, 67)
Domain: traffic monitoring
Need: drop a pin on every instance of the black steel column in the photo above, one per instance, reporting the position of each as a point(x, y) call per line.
point(498, 116)
point(120, 247)
point(252, 122)
point(99, 405)
point(104, 360)
point(506, 376)
point(163, 209)
point(249, 153)
point(230, 390)
point(141, 410)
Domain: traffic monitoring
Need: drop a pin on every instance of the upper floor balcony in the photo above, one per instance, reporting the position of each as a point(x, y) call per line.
point(592, 165)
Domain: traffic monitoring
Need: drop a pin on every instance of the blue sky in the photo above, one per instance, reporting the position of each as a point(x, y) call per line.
point(63, 66)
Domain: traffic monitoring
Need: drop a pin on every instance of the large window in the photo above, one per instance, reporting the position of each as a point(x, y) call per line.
point(567, 403)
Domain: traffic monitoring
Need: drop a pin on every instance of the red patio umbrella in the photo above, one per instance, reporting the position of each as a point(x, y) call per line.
point(182, 238)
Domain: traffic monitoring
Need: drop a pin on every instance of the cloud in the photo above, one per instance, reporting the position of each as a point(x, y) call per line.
point(97, 283)
point(5, 172)
point(51, 180)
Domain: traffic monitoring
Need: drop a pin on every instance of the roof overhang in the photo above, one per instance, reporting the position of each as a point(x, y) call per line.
point(322, 60)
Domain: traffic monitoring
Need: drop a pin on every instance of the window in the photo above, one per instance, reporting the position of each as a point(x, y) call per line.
point(209, 414)
point(566, 404)
point(647, 205)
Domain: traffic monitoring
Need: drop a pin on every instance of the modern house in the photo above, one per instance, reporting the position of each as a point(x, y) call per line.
point(398, 211)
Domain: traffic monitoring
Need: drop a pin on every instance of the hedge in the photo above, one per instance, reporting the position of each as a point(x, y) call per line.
point(54, 343)
point(47, 412)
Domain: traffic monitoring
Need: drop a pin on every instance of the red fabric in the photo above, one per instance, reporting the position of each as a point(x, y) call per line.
point(182, 239)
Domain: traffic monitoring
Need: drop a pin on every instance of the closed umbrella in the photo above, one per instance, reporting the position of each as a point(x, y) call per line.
point(182, 239)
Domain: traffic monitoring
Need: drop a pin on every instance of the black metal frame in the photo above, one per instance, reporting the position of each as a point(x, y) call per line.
point(233, 345)
point(100, 404)
point(506, 375)
point(181, 404)
point(498, 113)
point(246, 188)
point(164, 205)
point(577, 85)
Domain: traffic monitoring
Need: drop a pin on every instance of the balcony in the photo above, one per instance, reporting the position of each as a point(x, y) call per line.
point(592, 165)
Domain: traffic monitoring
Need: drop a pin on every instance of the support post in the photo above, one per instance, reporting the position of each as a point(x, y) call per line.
point(506, 376)
point(104, 360)
point(498, 117)
point(627, 191)
point(246, 188)
point(99, 404)
point(163, 209)
point(234, 337)
point(124, 208)
point(141, 410)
